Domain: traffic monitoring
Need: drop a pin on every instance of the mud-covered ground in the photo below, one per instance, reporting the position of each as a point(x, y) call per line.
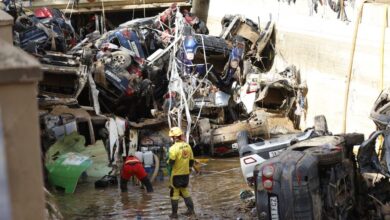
point(215, 193)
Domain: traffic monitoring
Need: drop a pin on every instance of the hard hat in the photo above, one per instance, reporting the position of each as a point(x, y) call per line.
point(175, 132)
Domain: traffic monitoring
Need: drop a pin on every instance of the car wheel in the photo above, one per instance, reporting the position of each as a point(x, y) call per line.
point(22, 23)
point(327, 155)
point(120, 59)
point(320, 125)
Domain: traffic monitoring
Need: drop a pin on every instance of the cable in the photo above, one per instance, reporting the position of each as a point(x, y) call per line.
point(103, 23)
point(346, 99)
point(144, 9)
point(156, 167)
point(133, 10)
point(66, 9)
point(71, 11)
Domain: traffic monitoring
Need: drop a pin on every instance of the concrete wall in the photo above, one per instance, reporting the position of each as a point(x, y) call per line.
point(6, 22)
point(320, 46)
point(19, 74)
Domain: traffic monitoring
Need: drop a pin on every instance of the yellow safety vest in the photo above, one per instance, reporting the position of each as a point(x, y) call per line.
point(181, 153)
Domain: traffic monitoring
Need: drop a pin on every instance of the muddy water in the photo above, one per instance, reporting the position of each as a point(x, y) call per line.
point(215, 193)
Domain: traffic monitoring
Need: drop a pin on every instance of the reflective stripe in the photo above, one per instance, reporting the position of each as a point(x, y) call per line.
point(132, 161)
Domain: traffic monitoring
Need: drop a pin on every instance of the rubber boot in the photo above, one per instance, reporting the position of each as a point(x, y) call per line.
point(175, 207)
point(190, 206)
point(123, 185)
point(147, 184)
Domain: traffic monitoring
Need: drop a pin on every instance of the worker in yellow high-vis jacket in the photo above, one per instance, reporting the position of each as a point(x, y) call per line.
point(181, 158)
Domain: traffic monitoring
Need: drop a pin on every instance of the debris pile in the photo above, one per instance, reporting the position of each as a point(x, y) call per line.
point(125, 86)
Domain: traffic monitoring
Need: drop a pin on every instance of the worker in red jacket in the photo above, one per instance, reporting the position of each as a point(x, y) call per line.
point(133, 167)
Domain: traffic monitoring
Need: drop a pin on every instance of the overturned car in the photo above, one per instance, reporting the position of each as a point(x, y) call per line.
point(45, 29)
point(313, 179)
point(321, 177)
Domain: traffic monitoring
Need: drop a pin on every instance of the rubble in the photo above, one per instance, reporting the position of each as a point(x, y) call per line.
point(166, 65)
point(127, 85)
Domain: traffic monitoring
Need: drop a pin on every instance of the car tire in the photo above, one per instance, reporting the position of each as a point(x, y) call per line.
point(22, 23)
point(320, 125)
point(326, 156)
point(120, 59)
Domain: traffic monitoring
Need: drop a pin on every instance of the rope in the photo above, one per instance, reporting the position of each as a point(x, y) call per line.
point(67, 5)
point(179, 84)
point(348, 83)
point(144, 9)
point(71, 12)
point(133, 10)
point(104, 18)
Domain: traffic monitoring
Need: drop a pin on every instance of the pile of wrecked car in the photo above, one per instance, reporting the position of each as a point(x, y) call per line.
point(127, 85)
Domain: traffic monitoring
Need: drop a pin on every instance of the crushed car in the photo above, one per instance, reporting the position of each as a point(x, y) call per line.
point(214, 86)
point(321, 177)
point(63, 75)
point(46, 29)
point(218, 80)
point(312, 179)
point(255, 153)
point(373, 158)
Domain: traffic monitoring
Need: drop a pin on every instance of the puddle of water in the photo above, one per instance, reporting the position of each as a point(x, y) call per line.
point(215, 195)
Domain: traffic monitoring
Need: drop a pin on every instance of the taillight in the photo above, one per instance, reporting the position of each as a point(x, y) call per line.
point(268, 184)
point(267, 177)
point(268, 171)
point(249, 160)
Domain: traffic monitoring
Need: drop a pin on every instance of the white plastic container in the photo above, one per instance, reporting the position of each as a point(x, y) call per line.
point(139, 155)
point(148, 159)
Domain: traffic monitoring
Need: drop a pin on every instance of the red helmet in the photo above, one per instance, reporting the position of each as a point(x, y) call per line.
point(43, 13)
